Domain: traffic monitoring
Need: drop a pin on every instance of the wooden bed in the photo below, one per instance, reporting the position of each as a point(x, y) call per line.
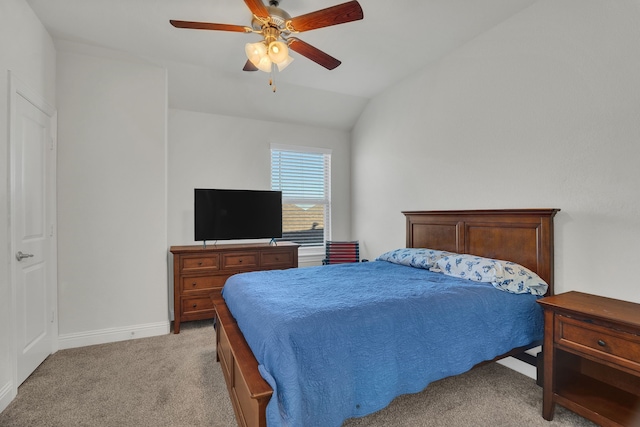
point(524, 236)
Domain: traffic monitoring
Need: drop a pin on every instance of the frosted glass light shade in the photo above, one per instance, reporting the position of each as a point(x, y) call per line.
point(255, 52)
point(278, 52)
point(282, 65)
point(264, 64)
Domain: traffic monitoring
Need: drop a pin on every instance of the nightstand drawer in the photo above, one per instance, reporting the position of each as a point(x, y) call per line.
point(209, 262)
point(199, 283)
point(239, 260)
point(604, 343)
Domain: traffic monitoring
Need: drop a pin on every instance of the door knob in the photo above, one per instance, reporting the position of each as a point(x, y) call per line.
point(20, 256)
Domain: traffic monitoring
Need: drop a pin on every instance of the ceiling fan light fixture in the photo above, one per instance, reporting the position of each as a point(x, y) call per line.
point(255, 52)
point(263, 56)
point(278, 52)
point(284, 64)
point(264, 64)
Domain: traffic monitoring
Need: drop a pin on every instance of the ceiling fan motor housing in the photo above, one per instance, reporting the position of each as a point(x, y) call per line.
point(278, 17)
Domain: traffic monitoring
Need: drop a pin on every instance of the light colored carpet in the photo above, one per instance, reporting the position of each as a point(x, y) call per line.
point(173, 380)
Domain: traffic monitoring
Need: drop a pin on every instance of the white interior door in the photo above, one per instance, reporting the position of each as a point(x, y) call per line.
point(32, 227)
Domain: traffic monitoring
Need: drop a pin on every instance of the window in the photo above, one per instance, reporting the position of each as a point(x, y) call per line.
point(304, 176)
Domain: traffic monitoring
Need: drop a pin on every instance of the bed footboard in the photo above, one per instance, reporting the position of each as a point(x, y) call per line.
point(248, 391)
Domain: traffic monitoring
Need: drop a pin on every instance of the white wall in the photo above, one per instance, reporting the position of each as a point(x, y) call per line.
point(214, 151)
point(542, 111)
point(112, 220)
point(27, 50)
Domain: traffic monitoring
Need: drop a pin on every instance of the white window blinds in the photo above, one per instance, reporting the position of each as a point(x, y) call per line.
point(304, 177)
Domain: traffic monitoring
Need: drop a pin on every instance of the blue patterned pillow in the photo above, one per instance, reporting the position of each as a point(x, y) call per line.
point(413, 257)
point(519, 280)
point(469, 267)
point(504, 275)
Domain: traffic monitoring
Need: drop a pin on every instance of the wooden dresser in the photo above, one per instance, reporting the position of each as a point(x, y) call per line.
point(592, 358)
point(198, 271)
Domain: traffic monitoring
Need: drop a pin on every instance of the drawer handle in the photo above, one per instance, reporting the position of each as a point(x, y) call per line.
point(601, 343)
point(200, 263)
point(193, 284)
point(195, 305)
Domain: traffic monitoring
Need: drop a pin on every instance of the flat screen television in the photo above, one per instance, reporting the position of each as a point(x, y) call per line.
point(237, 214)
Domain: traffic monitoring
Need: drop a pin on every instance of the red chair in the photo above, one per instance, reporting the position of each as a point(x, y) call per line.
point(341, 252)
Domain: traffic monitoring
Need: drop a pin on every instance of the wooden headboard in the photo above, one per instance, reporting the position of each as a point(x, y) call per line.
point(524, 236)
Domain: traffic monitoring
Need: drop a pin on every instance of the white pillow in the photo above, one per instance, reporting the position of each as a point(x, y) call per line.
point(504, 275)
point(414, 257)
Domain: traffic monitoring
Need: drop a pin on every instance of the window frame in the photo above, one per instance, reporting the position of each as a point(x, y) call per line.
point(309, 250)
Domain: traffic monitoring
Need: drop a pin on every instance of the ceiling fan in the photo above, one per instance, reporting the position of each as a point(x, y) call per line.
point(277, 27)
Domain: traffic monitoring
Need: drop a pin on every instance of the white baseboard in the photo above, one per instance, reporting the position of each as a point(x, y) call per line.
point(520, 366)
point(7, 394)
point(103, 336)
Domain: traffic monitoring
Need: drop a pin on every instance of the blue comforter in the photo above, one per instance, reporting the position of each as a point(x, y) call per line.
point(342, 341)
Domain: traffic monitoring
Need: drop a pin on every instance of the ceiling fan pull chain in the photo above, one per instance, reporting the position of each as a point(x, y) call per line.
point(272, 77)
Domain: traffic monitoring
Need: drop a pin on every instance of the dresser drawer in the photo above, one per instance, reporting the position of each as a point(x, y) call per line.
point(199, 283)
point(233, 260)
point(196, 304)
point(615, 346)
point(199, 262)
point(276, 259)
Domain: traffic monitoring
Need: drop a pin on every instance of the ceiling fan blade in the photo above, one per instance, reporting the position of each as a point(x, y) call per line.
point(257, 8)
point(314, 54)
point(209, 26)
point(248, 66)
point(340, 14)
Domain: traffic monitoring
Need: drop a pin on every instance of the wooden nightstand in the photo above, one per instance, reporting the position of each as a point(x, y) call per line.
point(592, 358)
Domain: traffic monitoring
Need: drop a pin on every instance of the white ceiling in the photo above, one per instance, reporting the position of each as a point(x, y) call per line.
point(395, 39)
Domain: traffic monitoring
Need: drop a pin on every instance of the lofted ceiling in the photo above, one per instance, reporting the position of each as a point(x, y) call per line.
point(395, 39)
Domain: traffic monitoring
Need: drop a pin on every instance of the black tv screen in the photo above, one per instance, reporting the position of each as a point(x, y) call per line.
point(237, 214)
